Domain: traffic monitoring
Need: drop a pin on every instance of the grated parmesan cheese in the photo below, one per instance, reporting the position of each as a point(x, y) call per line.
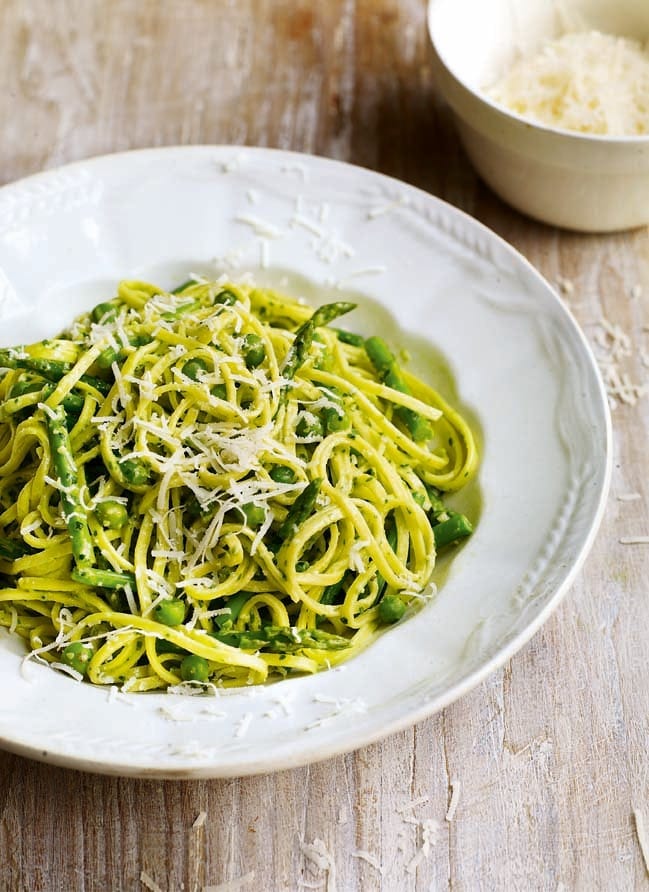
point(381, 209)
point(613, 348)
point(317, 855)
point(242, 725)
point(262, 228)
point(586, 82)
point(455, 798)
point(642, 837)
point(342, 707)
point(566, 286)
point(148, 882)
point(200, 820)
point(429, 837)
point(68, 670)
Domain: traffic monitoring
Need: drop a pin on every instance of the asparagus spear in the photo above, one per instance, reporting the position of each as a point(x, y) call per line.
point(437, 506)
point(349, 337)
point(279, 639)
point(304, 336)
point(458, 526)
point(50, 369)
point(74, 511)
point(390, 374)
point(181, 310)
point(38, 392)
point(448, 526)
point(102, 578)
point(300, 510)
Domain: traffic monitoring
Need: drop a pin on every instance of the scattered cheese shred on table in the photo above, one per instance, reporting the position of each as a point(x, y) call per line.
point(319, 857)
point(588, 82)
point(429, 836)
point(614, 351)
point(642, 836)
point(200, 819)
point(455, 798)
point(149, 882)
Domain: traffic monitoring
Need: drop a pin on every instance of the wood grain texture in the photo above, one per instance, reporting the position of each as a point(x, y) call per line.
point(549, 755)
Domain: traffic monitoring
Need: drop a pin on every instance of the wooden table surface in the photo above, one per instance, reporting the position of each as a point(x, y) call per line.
point(549, 755)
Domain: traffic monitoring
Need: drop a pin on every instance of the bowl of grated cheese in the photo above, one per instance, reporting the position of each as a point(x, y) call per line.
point(551, 102)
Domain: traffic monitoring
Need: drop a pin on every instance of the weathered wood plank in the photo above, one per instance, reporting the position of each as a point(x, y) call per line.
point(549, 755)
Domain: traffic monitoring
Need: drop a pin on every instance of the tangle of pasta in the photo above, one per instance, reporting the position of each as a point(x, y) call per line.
point(216, 486)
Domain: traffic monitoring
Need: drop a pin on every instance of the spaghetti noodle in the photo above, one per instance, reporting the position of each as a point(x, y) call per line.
point(216, 486)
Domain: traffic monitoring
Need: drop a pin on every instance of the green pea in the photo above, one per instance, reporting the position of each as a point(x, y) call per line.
point(107, 357)
point(282, 474)
point(226, 297)
point(302, 566)
point(254, 351)
point(194, 668)
point(104, 312)
point(134, 471)
point(255, 514)
point(309, 426)
point(77, 655)
point(391, 609)
point(170, 612)
point(220, 391)
point(112, 515)
point(195, 367)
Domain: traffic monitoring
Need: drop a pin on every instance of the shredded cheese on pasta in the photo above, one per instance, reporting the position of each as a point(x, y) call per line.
point(213, 486)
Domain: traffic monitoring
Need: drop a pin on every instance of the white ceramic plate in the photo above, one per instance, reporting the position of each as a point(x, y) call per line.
point(429, 278)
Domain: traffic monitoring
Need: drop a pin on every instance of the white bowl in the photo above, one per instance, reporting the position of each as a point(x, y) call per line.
point(577, 181)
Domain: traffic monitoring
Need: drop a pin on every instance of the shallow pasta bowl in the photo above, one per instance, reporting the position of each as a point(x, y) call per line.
point(578, 181)
point(430, 280)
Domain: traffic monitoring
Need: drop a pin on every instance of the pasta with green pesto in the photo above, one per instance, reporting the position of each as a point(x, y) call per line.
point(217, 486)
